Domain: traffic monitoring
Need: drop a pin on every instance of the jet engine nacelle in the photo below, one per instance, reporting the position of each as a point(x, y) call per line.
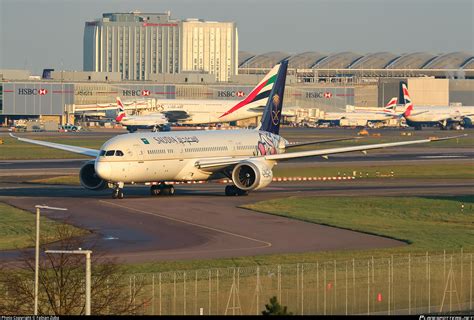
point(89, 178)
point(467, 123)
point(252, 175)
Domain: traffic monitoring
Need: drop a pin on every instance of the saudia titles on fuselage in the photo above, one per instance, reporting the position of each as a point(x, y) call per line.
point(172, 140)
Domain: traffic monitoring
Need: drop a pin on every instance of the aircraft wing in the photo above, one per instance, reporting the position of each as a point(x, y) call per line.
point(307, 143)
point(325, 152)
point(64, 147)
point(214, 164)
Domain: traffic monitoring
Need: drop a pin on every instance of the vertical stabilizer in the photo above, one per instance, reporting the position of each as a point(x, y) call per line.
point(272, 114)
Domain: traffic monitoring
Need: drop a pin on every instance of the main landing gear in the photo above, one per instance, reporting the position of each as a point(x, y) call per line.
point(117, 192)
point(162, 190)
point(234, 191)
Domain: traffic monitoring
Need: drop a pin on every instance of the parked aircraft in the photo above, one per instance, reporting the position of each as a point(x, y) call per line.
point(194, 112)
point(361, 117)
point(446, 117)
point(156, 121)
point(245, 156)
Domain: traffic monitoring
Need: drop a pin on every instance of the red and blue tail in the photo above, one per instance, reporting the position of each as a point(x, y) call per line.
point(406, 100)
point(121, 111)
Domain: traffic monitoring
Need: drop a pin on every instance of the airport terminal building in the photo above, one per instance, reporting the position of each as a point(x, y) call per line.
point(151, 56)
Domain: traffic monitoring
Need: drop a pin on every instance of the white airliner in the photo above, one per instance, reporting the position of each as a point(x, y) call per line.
point(369, 116)
point(454, 117)
point(245, 156)
point(156, 121)
point(202, 111)
point(389, 107)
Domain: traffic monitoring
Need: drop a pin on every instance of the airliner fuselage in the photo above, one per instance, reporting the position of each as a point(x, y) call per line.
point(174, 156)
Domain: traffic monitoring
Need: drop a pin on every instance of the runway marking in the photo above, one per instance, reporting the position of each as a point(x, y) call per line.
point(265, 243)
point(440, 157)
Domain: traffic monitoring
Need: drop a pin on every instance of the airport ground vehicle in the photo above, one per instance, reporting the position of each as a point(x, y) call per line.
point(70, 127)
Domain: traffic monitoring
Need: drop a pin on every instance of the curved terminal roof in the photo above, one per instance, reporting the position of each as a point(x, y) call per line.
point(244, 56)
point(351, 60)
point(374, 61)
point(305, 60)
point(266, 60)
point(469, 64)
point(416, 60)
point(340, 60)
point(454, 60)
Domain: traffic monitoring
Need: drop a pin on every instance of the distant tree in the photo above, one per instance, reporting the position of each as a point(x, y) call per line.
point(275, 309)
point(62, 283)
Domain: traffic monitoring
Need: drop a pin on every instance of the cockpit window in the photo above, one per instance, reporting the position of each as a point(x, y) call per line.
point(109, 153)
point(102, 153)
point(119, 153)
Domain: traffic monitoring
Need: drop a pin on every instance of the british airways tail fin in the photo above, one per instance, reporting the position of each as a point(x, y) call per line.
point(392, 103)
point(272, 114)
point(405, 99)
point(121, 111)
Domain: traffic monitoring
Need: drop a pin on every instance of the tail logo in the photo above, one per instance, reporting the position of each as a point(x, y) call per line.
point(408, 102)
point(275, 111)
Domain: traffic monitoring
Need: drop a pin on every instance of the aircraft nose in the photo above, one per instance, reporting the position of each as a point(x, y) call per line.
point(103, 169)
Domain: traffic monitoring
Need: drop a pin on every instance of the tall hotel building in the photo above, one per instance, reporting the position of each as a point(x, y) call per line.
point(211, 47)
point(139, 44)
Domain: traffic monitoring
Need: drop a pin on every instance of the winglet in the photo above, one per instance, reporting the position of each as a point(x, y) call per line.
point(13, 136)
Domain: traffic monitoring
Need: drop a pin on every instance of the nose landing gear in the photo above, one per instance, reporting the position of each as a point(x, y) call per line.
point(117, 192)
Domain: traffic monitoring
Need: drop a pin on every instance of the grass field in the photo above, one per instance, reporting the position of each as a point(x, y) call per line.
point(463, 170)
point(17, 228)
point(13, 149)
point(427, 224)
point(62, 180)
point(464, 142)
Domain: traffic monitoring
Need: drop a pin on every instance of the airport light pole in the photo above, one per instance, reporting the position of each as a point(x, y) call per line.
point(87, 253)
point(38, 212)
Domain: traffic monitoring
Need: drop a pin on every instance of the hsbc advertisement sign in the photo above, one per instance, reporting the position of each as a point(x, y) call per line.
point(319, 95)
point(36, 98)
point(328, 93)
point(330, 96)
point(136, 93)
point(230, 94)
point(32, 92)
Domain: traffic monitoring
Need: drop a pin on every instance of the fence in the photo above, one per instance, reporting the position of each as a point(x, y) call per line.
point(400, 285)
